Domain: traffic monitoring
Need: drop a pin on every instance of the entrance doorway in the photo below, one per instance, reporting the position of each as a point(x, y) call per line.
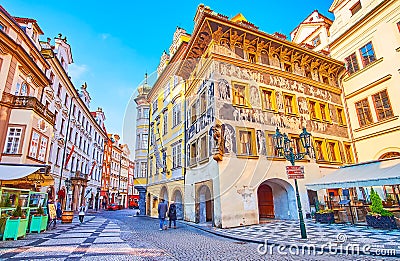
point(205, 205)
point(265, 202)
point(178, 203)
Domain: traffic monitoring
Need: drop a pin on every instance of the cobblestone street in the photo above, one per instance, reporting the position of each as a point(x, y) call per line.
point(119, 235)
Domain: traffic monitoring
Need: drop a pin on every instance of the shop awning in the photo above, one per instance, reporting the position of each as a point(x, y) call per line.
point(374, 173)
point(18, 171)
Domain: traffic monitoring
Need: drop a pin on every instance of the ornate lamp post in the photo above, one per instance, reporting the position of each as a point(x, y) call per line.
point(284, 147)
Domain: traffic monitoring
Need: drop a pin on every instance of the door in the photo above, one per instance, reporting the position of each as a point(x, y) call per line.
point(265, 202)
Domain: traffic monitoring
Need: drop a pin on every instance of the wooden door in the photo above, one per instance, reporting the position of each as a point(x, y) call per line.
point(265, 202)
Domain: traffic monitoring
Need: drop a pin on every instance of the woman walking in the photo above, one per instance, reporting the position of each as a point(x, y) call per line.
point(172, 214)
point(81, 213)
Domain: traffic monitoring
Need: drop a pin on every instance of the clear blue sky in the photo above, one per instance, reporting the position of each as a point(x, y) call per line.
point(115, 42)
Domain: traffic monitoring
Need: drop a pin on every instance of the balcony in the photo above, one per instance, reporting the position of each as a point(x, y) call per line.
point(28, 103)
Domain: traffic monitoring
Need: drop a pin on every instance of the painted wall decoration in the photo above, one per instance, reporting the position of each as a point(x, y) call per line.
point(201, 123)
point(229, 135)
point(261, 141)
point(255, 97)
point(224, 90)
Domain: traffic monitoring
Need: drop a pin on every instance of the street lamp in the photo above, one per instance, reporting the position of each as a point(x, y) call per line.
point(284, 147)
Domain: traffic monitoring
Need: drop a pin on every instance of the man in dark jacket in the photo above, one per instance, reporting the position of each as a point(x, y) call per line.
point(162, 211)
point(172, 214)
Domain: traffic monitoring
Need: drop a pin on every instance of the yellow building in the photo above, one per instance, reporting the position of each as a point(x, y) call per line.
point(165, 178)
point(242, 84)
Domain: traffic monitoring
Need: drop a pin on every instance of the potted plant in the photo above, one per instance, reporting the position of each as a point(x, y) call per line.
point(38, 221)
point(325, 216)
point(379, 217)
point(16, 225)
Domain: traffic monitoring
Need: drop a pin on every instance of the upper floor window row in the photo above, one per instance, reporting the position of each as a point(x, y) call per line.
point(367, 56)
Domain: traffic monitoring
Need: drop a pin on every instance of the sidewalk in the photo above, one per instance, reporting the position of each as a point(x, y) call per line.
point(322, 236)
point(96, 238)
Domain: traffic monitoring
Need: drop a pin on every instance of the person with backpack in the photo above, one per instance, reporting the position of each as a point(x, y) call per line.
point(172, 214)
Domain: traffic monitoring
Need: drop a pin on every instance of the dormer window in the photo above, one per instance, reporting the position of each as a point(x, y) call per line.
point(355, 8)
point(2, 27)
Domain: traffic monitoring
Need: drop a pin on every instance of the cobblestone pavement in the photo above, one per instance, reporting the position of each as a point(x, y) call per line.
point(338, 235)
point(119, 235)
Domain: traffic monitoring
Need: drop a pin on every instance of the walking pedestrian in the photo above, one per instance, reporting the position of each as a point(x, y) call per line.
point(162, 211)
point(58, 210)
point(81, 213)
point(172, 214)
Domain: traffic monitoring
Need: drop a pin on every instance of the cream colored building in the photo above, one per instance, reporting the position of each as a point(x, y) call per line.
point(166, 170)
point(26, 123)
point(241, 85)
point(366, 36)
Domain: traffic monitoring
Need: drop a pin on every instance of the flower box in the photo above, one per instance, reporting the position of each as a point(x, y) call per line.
point(15, 228)
point(38, 223)
point(326, 218)
point(382, 222)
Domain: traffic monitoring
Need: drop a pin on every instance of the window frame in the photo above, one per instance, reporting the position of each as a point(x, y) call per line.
point(369, 61)
point(360, 119)
point(252, 141)
point(18, 149)
point(383, 106)
point(272, 99)
point(235, 95)
point(347, 147)
point(355, 8)
point(293, 104)
point(316, 41)
point(203, 154)
point(176, 115)
point(351, 63)
point(165, 123)
point(340, 115)
point(193, 158)
point(270, 147)
point(39, 152)
point(323, 150)
point(335, 153)
point(177, 156)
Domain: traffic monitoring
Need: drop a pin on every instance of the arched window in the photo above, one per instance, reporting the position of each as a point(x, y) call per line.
point(391, 154)
point(21, 89)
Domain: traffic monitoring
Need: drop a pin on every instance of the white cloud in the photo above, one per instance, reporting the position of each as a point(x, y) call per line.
point(104, 36)
point(76, 71)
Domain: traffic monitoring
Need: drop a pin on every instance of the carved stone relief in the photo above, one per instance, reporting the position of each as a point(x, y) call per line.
point(261, 141)
point(229, 136)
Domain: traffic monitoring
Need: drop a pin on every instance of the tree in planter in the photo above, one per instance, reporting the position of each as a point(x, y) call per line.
point(6, 203)
point(40, 211)
point(17, 212)
point(379, 217)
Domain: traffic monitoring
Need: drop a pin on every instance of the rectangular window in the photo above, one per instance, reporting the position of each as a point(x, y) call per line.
point(66, 100)
point(166, 90)
point(290, 105)
point(268, 99)
point(363, 112)
point(146, 113)
point(59, 90)
point(312, 108)
point(43, 148)
point(246, 142)
point(155, 106)
point(13, 140)
point(333, 151)
point(145, 141)
point(355, 8)
point(57, 157)
point(143, 169)
point(203, 102)
point(176, 115)
point(34, 145)
point(176, 156)
point(398, 26)
point(320, 150)
point(351, 63)
point(367, 54)
point(382, 105)
point(203, 148)
point(165, 123)
point(151, 162)
point(340, 116)
point(348, 153)
point(240, 94)
point(296, 143)
point(139, 113)
point(193, 111)
point(193, 153)
point(323, 108)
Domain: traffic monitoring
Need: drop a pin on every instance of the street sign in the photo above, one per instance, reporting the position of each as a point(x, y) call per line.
point(295, 172)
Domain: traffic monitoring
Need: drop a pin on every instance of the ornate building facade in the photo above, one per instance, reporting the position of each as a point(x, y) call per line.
point(241, 84)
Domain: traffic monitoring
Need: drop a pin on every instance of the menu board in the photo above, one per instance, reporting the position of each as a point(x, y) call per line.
point(52, 211)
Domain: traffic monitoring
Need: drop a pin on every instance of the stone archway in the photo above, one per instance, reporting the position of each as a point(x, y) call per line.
point(205, 205)
point(177, 197)
point(391, 154)
point(164, 194)
point(276, 199)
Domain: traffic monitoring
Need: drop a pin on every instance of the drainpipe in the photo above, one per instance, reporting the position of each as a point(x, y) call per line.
point(346, 108)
